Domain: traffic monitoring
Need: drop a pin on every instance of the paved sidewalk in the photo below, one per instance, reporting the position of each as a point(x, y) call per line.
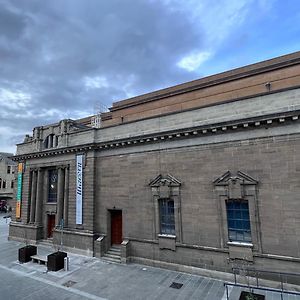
point(91, 278)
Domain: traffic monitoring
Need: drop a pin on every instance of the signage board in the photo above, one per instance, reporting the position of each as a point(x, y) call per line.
point(19, 190)
point(79, 188)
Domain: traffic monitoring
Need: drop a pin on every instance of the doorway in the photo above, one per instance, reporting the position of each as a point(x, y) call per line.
point(51, 226)
point(116, 227)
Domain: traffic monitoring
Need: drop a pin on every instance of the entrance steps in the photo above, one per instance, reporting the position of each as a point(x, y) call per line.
point(113, 254)
point(48, 242)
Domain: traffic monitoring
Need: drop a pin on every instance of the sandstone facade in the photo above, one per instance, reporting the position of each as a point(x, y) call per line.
point(197, 148)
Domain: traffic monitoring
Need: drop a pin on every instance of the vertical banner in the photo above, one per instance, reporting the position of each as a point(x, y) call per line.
point(19, 190)
point(79, 182)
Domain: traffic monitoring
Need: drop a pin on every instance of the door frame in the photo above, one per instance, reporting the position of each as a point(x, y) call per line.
point(110, 213)
point(53, 217)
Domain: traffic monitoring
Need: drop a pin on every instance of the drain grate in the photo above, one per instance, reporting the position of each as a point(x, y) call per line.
point(176, 285)
point(69, 283)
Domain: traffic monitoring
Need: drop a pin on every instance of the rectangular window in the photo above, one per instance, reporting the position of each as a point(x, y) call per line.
point(4, 184)
point(238, 221)
point(167, 220)
point(52, 189)
point(12, 184)
point(8, 169)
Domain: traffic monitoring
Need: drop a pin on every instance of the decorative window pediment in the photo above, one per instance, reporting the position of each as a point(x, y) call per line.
point(240, 177)
point(165, 186)
point(234, 186)
point(165, 191)
point(167, 180)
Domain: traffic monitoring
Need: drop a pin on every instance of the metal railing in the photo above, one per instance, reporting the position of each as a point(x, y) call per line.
point(252, 288)
point(256, 274)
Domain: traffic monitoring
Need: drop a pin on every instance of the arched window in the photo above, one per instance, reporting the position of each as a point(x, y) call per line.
point(51, 141)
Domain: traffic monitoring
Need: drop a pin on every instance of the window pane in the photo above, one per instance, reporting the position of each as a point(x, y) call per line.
point(244, 205)
point(245, 214)
point(237, 214)
point(230, 214)
point(238, 221)
point(247, 236)
point(167, 220)
point(52, 189)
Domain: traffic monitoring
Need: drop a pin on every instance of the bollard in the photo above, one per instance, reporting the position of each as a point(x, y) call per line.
point(66, 263)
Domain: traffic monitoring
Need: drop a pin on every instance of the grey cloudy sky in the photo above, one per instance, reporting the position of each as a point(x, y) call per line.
point(60, 58)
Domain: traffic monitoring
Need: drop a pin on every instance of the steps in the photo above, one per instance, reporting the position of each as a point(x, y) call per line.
point(48, 242)
point(113, 254)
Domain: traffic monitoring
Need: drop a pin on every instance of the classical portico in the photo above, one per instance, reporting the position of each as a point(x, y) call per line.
point(48, 197)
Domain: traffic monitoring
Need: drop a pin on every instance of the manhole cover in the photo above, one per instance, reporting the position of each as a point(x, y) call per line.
point(69, 283)
point(176, 285)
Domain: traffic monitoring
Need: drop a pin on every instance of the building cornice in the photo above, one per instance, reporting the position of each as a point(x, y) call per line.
point(265, 121)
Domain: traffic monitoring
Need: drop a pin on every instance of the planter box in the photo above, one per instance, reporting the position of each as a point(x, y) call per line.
point(251, 296)
point(55, 261)
point(26, 252)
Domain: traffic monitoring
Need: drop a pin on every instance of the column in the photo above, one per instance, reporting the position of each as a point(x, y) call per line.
point(66, 195)
point(39, 198)
point(33, 197)
point(60, 195)
point(50, 140)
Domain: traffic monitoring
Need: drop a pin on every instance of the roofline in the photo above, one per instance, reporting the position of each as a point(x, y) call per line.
point(234, 74)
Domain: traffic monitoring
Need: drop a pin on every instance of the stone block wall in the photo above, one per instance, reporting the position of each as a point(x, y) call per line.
point(123, 182)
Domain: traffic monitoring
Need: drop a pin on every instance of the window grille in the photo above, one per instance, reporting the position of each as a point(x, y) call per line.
point(167, 220)
point(238, 221)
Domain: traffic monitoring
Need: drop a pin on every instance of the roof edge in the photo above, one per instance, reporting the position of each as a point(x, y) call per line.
point(230, 75)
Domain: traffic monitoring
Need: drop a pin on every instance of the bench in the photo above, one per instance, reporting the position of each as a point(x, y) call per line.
point(42, 260)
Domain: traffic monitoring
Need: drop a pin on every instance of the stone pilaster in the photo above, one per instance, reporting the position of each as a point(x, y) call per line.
point(66, 197)
point(39, 198)
point(60, 194)
point(33, 196)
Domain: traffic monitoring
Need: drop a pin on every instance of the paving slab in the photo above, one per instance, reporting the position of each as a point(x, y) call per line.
point(92, 278)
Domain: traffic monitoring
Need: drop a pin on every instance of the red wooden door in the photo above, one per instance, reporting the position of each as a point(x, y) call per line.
point(51, 225)
point(116, 227)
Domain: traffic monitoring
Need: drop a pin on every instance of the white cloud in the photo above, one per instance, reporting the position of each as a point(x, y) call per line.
point(220, 18)
point(96, 82)
point(6, 136)
point(14, 99)
point(193, 61)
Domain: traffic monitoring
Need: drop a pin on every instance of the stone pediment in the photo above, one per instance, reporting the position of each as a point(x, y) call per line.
point(240, 177)
point(235, 186)
point(167, 180)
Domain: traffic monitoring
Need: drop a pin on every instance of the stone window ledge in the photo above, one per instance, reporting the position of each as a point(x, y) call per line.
point(168, 236)
point(240, 244)
point(167, 241)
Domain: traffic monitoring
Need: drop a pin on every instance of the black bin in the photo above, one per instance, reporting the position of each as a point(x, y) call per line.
point(55, 261)
point(26, 252)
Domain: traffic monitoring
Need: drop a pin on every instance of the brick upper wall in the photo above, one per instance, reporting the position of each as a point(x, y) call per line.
point(257, 79)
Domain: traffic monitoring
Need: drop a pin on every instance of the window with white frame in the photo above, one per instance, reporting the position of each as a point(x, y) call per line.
point(238, 220)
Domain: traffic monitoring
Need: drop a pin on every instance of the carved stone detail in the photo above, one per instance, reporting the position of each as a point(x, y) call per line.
point(235, 185)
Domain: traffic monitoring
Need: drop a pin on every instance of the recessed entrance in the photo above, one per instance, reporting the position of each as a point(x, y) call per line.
point(116, 227)
point(51, 225)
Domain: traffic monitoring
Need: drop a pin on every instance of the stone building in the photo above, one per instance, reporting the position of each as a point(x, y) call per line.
point(203, 174)
point(7, 169)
